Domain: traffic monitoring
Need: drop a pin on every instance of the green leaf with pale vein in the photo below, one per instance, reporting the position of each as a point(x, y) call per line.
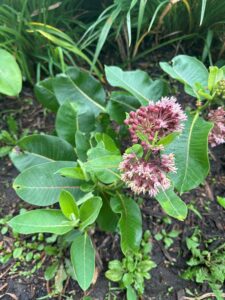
point(83, 260)
point(130, 222)
point(82, 88)
point(191, 154)
point(137, 83)
point(173, 205)
point(41, 185)
point(37, 148)
point(41, 220)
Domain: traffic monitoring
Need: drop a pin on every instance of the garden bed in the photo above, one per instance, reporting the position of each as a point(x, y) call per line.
point(166, 282)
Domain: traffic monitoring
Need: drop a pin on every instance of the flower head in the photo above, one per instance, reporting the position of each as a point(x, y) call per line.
point(217, 134)
point(157, 119)
point(147, 176)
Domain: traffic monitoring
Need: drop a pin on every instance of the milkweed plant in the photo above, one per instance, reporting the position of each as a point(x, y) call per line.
point(111, 148)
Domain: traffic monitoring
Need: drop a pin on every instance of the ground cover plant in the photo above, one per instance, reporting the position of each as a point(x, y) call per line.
point(88, 169)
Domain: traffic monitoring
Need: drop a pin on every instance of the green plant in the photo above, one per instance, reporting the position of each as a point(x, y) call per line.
point(207, 263)
point(167, 237)
point(34, 55)
point(132, 271)
point(84, 171)
point(10, 137)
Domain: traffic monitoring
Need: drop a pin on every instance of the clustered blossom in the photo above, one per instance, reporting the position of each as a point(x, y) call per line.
point(217, 134)
point(157, 119)
point(147, 176)
point(147, 125)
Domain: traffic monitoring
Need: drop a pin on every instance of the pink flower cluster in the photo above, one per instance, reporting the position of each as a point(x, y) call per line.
point(149, 124)
point(217, 134)
point(160, 118)
point(147, 176)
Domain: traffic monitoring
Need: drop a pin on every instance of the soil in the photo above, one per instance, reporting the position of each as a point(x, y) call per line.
point(166, 283)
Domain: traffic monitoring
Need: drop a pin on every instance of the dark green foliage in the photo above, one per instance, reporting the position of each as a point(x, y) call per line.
point(207, 262)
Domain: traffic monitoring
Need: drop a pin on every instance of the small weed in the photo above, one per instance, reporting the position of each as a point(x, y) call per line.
point(207, 263)
point(167, 237)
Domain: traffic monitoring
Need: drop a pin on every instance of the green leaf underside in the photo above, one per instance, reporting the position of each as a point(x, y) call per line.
point(120, 103)
point(137, 83)
point(70, 118)
point(41, 220)
point(83, 260)
point(23, 160)
point(37, 149)
point(41, 185)
point(107, 219)
point(10, 74)
point(45, 94)
point(172, 204)
point(191, 154)
point(80, 87)
point(188, 70)
point(130, 222)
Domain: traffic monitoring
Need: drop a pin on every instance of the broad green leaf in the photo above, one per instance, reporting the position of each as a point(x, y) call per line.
point(130, 223)
point(172, 204)
point(107, 219)
point(45, 94)
point(119, 104)
point(83, 260)
point(36, 149)
point(41, 185)
point(89, 211)
point(41, 220)
point(10, 74)
point(83, 89)
point(191, 70)
point(191, 154)
point(137, 83)
point(188, 70)
point(68, 206)
point(166, 67)
point(69, 119)
point(103, 164)
point(66, 123)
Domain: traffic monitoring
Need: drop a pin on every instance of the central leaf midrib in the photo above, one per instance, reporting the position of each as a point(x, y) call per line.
point(87, 97)
point(188, 149)
point(177, 211)
point(130, 87)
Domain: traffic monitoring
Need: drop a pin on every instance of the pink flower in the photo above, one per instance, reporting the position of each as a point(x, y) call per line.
point(160, 118)
point(147, 176)
point(217, 134)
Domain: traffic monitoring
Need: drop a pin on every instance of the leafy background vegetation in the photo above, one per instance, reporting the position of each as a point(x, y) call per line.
point(64, 52)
